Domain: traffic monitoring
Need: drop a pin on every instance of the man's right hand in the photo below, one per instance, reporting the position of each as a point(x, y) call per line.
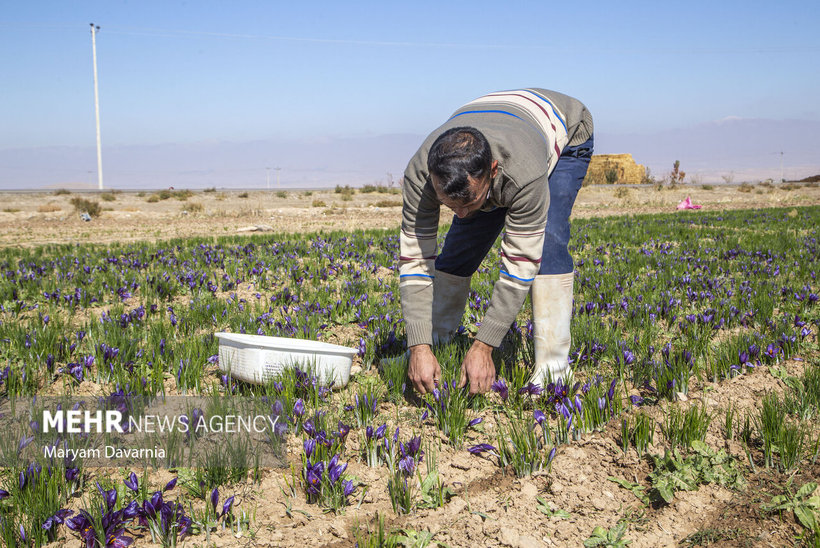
point(424, 371)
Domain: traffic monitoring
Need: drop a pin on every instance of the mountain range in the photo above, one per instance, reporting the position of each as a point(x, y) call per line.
point(733, 149)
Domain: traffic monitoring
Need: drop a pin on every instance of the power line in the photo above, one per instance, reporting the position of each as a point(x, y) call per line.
point(649, 49)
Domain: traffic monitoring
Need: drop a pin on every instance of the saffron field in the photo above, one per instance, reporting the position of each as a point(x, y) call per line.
point(692, 418)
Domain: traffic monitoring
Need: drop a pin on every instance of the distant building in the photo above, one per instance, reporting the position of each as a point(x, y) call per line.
point(614, 169)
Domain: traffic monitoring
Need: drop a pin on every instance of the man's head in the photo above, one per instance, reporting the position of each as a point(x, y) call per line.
point(461, 167)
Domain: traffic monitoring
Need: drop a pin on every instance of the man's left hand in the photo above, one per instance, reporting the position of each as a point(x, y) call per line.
point(478, 368)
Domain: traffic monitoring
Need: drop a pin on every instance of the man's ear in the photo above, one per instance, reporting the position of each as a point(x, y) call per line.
point(494, 169)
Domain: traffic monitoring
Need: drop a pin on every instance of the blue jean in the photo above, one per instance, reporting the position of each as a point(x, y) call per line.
point(468, 240)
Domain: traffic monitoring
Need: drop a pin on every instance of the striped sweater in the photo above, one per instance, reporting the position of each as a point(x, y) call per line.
point(527, 129)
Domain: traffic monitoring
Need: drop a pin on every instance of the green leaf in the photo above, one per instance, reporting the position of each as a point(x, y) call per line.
point(806, 490)
point(544, 508)
point(429, 482)
point(806, 517)
point(599, 537)
point(700, 447)
point(638, 490)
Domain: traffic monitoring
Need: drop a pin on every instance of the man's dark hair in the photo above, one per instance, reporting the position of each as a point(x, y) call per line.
point(457, 154)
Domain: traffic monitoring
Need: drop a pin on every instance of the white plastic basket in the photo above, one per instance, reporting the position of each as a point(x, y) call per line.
point(257, 358)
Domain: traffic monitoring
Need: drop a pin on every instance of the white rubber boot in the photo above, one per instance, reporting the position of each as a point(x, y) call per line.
point(449, 297)
point(551, 315)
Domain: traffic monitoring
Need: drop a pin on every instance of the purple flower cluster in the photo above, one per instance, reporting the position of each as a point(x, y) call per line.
point(323, 481)
point(78, 370)
point(409, 454)
point(165, 518)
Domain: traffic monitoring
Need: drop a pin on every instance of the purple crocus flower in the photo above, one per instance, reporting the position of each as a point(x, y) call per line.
point(335, 469)
point(407, 465)
point(82, 524)
point(551, 455)
point(629, 357)
point(132, 482)
point(278, 408)
point(226, 508)
point(754, 350)
point(475, 421)
point(214, 498)
point(109, 496)
point(71, 474)
point(611, 392)
point(348, 487)
point(313, 476)
point(344, 430)
point(310, 447)
point(561, 408)
point(25, 441)
point(531, 389)
point(636, 400)
point(500, 386)
point(58, 518)
point(539, 416)
point(3, 494)
point(299, 408)
point(480, 448)
point(170, 485)
point(131, 511)
point(772, 351)
point(413, 445)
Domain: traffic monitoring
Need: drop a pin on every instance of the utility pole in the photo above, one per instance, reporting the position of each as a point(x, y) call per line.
point(781, 166)
point(267, 177)
point(278, 184)
point(94, 30)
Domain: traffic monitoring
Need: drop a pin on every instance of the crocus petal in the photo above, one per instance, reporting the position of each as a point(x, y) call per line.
point(132, 482)
point(480, 448)
point(226, 508)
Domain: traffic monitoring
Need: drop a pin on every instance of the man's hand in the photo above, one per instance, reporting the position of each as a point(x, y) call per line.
point(478, 367)
point(424, 371)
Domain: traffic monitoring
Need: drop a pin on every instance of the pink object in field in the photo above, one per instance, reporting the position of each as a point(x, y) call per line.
point(687, 204)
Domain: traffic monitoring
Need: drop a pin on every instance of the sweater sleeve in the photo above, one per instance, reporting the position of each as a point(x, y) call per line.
point(417, 257)
point(521, 249)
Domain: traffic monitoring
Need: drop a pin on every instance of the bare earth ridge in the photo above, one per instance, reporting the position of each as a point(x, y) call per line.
point(34, 219)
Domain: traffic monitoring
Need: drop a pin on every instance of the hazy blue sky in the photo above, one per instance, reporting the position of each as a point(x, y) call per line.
point(187, 72)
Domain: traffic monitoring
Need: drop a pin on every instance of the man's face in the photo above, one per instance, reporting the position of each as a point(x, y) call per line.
point(479, 188)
